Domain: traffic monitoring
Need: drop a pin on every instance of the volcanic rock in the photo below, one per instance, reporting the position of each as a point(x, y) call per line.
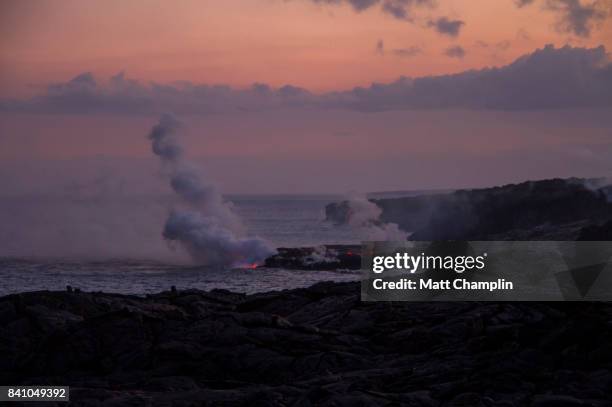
point(317, 346)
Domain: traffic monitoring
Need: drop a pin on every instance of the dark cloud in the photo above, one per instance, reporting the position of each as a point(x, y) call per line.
point(400, 9)
point(548, 78)
point(396, 8)
point(358, 5)
point(522, 3)
point(577, 18)
point(403, 10)
point(445, 26)
point(83, 94)
point(362, 4)
point(455, 51)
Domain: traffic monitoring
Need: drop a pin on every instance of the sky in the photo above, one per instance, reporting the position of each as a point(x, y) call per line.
point(320, 45)
point(302, 96)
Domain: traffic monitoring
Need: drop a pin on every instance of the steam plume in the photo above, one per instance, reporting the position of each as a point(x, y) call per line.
point(203, 224)
point(364, 216)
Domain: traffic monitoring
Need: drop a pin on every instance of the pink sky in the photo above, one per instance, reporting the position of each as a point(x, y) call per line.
point(548, 117)
point(238, 42)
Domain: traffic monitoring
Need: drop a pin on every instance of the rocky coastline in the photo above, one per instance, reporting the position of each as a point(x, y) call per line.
point(555, 209)
point(319, 346)
point(322, 345)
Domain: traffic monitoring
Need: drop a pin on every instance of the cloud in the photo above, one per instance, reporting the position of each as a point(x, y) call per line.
point(399, 9)
point(523, 3)
point(83, 94)
point(402, 10)
point(455, 51)
point(358, 5)
point(447, 27)
point(574, 17)
point(548, 78)
point(577, 18)
point(362, 4)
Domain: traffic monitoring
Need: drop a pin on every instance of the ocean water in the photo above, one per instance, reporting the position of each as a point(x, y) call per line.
point(293, 221)
point(285, 221)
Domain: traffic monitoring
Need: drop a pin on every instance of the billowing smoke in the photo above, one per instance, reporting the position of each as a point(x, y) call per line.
point(203, 224)
point(601, 185)
point(364, 216)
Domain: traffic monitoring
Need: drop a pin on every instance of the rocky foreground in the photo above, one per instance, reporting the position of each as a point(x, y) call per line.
point(317, 346)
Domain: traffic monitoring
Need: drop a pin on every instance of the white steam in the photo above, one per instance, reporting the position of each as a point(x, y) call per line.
point(364, 216)
point(599, 185)
point(204, 225)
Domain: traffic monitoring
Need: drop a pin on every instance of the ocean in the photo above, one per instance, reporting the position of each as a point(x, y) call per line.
point(285, 221)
